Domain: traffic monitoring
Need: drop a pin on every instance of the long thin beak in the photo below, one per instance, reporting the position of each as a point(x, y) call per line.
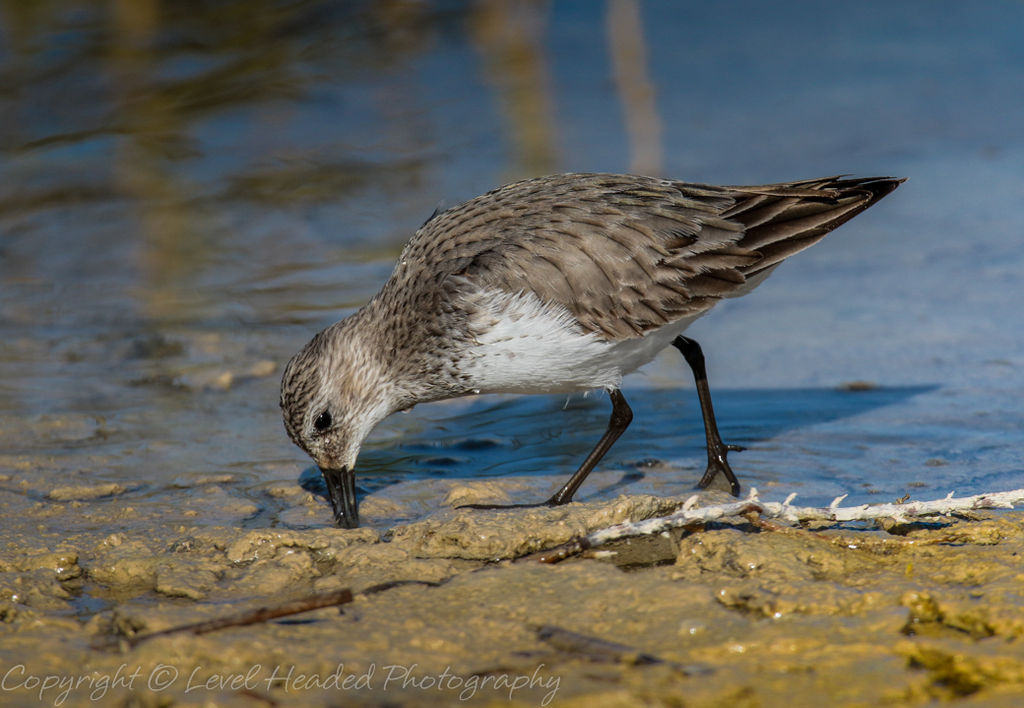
point(341, 487)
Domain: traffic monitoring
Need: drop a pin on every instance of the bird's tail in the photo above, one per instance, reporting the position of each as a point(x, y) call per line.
point(784, 219)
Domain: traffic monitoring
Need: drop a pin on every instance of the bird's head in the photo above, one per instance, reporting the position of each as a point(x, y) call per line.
point(332, 395)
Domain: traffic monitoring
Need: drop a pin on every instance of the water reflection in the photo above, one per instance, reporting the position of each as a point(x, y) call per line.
point(636, 91)
point(510, 38)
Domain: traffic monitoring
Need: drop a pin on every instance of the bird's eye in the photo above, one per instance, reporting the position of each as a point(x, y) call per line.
point(323, 421)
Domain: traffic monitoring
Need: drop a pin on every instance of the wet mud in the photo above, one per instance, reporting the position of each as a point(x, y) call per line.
point(450, 609)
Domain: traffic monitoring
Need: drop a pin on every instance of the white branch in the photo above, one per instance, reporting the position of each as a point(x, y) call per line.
point(689, 514)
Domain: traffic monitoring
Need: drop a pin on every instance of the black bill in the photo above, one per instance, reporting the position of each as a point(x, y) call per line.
point(341, 488)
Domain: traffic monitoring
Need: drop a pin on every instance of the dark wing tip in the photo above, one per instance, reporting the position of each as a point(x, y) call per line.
point(782, 220)
point(877, 186)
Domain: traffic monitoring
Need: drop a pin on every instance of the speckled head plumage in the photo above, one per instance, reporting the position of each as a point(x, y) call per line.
point(334, 391)
point(300, 382)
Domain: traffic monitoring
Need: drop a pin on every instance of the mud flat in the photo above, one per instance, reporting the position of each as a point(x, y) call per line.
point(449, 610)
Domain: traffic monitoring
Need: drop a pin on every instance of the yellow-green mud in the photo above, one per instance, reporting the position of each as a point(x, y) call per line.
point(727, 615)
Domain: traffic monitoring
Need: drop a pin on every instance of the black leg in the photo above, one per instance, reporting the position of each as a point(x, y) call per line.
point(622, 415)
point(717, 450)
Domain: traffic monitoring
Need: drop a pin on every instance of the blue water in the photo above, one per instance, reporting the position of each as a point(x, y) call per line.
point(187, 196)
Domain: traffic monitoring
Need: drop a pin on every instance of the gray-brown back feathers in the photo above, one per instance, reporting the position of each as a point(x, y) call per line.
point(624, 253)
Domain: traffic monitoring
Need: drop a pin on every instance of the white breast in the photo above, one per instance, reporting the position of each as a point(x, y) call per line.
point(529, 346)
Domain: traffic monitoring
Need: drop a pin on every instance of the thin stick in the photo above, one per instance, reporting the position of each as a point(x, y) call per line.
point(265, 614)
point(241, 619)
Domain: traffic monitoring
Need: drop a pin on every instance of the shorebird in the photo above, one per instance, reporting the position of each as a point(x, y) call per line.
point(556, 284)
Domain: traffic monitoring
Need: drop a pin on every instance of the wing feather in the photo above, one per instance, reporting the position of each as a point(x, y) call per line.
point(625, 254)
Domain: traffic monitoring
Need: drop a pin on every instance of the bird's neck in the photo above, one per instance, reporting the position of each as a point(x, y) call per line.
point(412, 363)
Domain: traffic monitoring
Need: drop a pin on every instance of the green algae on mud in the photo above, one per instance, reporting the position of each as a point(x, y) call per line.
point(729, 613)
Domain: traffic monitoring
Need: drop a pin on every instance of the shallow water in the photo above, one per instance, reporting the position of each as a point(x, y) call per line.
point(187, 195)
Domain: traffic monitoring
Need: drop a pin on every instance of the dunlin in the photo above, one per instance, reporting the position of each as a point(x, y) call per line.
point(551, 285)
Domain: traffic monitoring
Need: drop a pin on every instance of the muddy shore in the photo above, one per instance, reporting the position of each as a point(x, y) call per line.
point(443, 613)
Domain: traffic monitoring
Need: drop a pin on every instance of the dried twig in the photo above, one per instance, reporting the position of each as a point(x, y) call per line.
point(241, 619)
point(264, 614)
point(691, 515)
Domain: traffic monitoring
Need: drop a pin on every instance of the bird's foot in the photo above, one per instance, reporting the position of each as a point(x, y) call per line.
point(718, 463)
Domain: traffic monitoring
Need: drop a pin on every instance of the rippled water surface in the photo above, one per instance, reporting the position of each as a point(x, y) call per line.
point(188, 193)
